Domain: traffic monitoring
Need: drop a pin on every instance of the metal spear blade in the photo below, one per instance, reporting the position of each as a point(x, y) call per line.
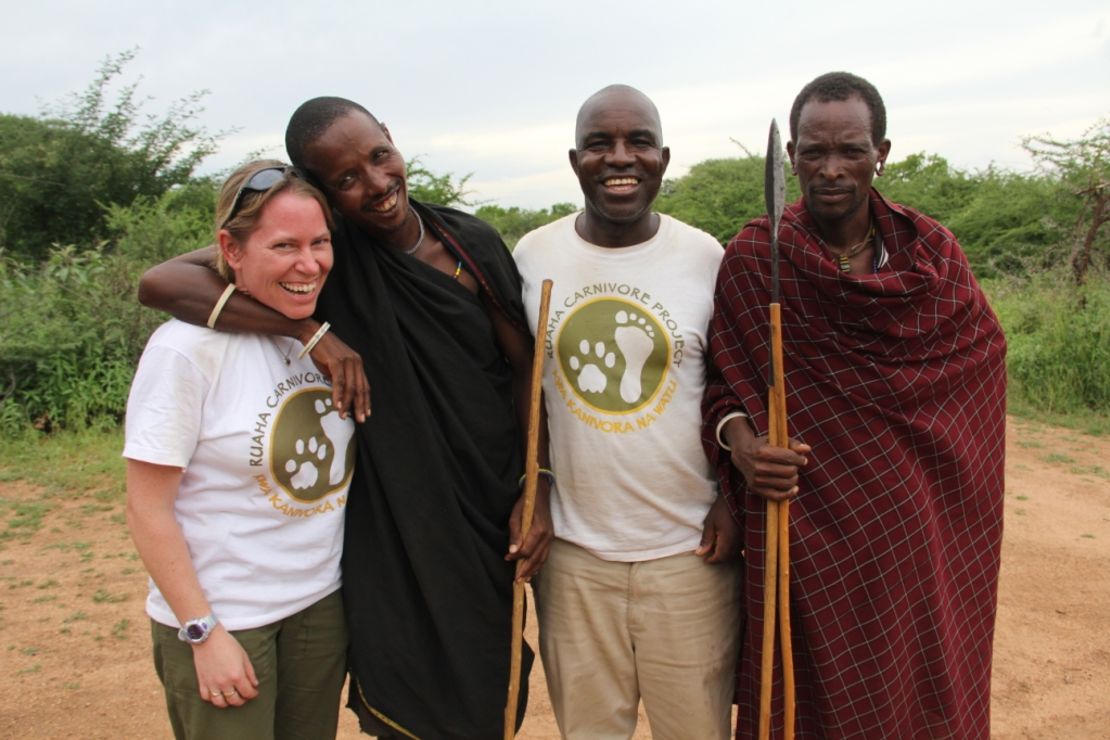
point(774, 194)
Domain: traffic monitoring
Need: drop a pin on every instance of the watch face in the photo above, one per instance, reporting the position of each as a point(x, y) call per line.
point(194, 631)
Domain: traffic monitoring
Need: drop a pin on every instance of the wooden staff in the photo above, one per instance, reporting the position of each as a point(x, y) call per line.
point(776, 571)
point(531, 478)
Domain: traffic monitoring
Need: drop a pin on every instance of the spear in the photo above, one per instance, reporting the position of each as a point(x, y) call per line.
point(531, 478)
point(776, 572)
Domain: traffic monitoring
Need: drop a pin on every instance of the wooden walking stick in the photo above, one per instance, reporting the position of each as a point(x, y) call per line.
point(531, 478)
point(776, 573)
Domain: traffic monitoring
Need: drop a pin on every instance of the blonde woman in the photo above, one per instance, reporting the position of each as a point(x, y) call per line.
point(237, 476)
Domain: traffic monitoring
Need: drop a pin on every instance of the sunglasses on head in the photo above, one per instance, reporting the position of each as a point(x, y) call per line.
point(259, 182)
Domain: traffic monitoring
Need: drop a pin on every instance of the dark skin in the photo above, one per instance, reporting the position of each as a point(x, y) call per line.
point(620, 161)
point(363, 176)
point(835, 158)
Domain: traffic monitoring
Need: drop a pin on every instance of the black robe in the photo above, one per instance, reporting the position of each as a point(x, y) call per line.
point(427, 590)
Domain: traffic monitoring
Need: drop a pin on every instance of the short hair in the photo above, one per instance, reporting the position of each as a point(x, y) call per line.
point(841, 86)
point(251, 203)
point(309, 122)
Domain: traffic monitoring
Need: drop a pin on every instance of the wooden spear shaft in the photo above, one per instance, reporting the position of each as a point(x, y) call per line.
point(779, 437)
point(531, 478)
point(776, 571)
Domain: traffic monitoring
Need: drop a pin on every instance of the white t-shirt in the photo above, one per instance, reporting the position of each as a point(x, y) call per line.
point(623, 383)
point(267, 464)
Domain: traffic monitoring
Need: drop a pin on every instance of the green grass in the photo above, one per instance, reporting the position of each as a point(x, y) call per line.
point(1093, 423)
point(1096, 470)
point(103, 597)
point(70, 463)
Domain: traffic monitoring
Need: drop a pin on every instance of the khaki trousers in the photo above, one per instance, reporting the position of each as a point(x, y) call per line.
point(665, 631)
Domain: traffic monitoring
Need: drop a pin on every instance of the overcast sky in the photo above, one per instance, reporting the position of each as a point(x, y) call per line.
point(492, 87)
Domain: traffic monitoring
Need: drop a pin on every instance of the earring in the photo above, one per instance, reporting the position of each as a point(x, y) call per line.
point(879, 169)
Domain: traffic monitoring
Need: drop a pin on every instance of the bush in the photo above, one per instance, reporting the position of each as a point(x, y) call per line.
point(719, 196)
point(73, 329)
point(1059, 341)
point(513, 223)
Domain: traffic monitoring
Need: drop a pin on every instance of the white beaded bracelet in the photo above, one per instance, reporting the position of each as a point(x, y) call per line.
point(315, 339)
point(220, 305)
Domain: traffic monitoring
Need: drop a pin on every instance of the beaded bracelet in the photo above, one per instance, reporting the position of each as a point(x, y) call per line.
point(315, 339)
point(220, 305)
point(542, 471)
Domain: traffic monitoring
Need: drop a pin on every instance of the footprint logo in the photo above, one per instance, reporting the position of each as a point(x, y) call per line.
point(634, 336)
point(311, 447)
point(339, 431)
point(614, 353)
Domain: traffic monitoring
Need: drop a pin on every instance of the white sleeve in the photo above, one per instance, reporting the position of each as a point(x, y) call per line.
point(165, 408)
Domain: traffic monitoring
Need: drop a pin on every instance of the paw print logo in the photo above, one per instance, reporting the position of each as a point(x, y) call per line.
point(614, 353)
point(591, 378)
point(302, 469)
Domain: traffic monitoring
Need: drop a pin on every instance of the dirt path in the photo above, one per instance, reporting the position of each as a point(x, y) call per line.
point(75, 648)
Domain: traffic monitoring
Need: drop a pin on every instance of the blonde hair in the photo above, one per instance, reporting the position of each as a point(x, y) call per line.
point(252, 202)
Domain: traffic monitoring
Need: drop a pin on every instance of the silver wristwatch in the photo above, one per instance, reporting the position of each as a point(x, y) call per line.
point(197, 631)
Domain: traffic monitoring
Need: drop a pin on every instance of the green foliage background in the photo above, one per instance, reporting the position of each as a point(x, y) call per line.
point(93, 193)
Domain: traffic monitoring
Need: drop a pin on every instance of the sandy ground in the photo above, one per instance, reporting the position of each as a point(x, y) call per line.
point(74, 642)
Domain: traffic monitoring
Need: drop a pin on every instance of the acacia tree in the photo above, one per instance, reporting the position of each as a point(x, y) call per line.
point(441, 190)
point(61, 170)
point(1083, 165)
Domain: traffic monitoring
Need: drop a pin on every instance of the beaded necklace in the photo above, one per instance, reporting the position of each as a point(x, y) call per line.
point(852, 251)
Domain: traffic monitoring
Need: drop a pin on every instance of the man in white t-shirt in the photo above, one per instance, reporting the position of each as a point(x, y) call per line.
point(639, 597)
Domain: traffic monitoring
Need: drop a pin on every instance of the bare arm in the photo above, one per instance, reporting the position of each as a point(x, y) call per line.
point(221, 663)
point(188, 286)
point(518, 349)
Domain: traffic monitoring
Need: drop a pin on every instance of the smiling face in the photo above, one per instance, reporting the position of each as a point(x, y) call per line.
point(620, 161)
point(284, 261)
point(835, 159)
point(363, 174)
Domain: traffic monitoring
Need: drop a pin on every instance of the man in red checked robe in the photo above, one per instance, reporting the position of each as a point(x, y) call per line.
point(895, 380)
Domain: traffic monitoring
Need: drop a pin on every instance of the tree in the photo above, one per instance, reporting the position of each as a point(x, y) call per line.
point(513, 223)
point(719, 196)
point(441, 190)
point(59, 171)
point(927, 182)
point(1083, 165)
